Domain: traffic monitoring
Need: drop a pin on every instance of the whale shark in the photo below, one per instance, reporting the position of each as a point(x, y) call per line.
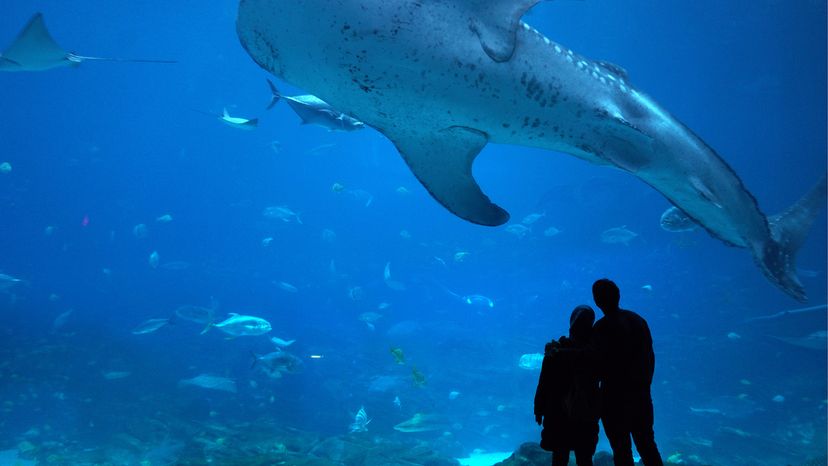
point(34, 49)
point(443, 78)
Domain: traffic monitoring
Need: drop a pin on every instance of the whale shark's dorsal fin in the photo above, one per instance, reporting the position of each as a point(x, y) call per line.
point(442, 161)
point(34, 49)
point(496, 22)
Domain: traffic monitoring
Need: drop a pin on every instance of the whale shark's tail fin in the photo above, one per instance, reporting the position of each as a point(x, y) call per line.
point(788, 232)
point(275, 95)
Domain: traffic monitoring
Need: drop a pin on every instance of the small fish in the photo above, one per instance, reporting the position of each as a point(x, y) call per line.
point(393, 284)
point(532, 218)
point(531, 361)
point(282, 213)
point(397, 402)
point(361, 421)
point(328, 236)
point(139, 231)
point(285, 286)
point(398, 355)
point(60, 320)
point(210, 382)
point(7, 281)
point(647, 287)
point(478, 300)
point(153, 259)
point(618, 235)
point(402, 190)
point(197, 314)
point(405, 234)
point(5, 168)
point(166, 218)
point(734, 336)
point(778, 399)
point(282, 343)
point(518, 229)
point(461, 256)
point(277, 363)
point(150, 326)
point(238, 122)
point(239, 325)
point(676, 221)
point(551, 231)
point(115, 375)
point(418, 377)
point(266, 241)
point(453, 395)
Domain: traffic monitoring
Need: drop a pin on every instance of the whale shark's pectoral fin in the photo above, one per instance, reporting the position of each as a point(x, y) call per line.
point(442, 161)
point(496, 22)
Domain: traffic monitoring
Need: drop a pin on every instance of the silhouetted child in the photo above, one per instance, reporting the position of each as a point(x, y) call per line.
point(566, 401)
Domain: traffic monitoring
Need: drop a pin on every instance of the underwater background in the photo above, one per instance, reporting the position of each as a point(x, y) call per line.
point(123, 201)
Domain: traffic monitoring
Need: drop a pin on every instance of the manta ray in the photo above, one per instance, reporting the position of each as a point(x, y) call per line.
point(34, 49)
point(443, 78)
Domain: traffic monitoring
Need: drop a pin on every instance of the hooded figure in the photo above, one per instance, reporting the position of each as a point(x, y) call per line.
point(566, 400)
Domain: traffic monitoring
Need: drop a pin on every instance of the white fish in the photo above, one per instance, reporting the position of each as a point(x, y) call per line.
point(519, 230)
point(266, 241)
point(328, 236)
point(397, 402)
point(166, 218)
point(139, 231)
point(285, 286)
point(361, 421)
point(453, 395)
point(115, 375)
point(5, 168)
point(551, 231)
point(153, 259)
point(7, 281)
point(532, 218)
point(238, 122)
point(393, 284)
point(60, 320)
point(282, 213)
point(531, 361)
point(282, 343)
point(239, 325)
point(150, 326)
point(733, 336)
point(618, 235)
point(211, 382)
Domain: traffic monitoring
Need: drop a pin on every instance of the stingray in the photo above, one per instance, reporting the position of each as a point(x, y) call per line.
point(34, 49)
point(814, 341)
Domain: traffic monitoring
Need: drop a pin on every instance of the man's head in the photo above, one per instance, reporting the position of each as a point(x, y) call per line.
point(606, 295)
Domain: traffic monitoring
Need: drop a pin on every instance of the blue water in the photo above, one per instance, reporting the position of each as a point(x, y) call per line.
point(104, 147)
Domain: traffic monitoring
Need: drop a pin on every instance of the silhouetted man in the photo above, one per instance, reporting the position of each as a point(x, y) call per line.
point(626, 365)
